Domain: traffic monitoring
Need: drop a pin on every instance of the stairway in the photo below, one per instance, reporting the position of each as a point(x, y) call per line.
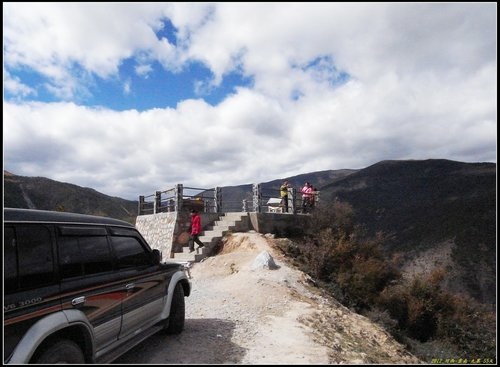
point(228, 222)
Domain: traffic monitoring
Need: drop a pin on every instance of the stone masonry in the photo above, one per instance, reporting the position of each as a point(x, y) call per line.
point(158, 230)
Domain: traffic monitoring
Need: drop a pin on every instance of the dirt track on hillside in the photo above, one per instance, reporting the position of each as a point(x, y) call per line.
point(240, 315)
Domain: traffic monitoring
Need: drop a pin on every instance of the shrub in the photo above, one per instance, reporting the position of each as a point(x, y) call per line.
point(417, 305)
point(469, 325)
point(334, 252)
point(337, 217)
point(337, 254)
point(383, 318)
point(394, 299)
point(425, 311)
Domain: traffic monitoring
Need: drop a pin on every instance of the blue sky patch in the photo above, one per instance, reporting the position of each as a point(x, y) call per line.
point(168, 31)
point(155, 88)
point(323, 68)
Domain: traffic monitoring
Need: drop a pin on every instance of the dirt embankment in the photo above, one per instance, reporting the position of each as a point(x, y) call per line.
point(243, 313)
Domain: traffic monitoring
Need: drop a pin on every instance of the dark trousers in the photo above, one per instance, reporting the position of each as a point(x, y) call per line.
point(284, 200)
point(195, 238)
point(306, 204)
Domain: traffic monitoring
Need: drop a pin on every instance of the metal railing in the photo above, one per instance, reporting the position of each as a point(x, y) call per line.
point(257, 199)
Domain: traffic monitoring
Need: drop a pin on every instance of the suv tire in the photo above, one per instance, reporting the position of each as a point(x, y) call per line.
point(62, 352)
point(177, 312)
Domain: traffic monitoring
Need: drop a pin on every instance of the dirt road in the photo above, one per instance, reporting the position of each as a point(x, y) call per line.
point(240, 313)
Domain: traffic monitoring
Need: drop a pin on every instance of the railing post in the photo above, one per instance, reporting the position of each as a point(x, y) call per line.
point(218, 200)
point(141, 205)
point(257, 195)
point(157, 204)
point(178, 197)
point(294, 200)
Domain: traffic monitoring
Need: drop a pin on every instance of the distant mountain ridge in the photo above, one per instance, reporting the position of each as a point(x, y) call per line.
point(46, 194)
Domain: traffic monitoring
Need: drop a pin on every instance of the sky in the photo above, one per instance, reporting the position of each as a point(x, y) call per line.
point(131, 98)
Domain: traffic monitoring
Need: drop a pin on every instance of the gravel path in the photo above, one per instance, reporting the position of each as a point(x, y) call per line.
point(236, 315)
point(240, 315)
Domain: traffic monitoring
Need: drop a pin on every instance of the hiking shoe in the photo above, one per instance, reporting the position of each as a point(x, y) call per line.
point(191, 250)
point(200, 246)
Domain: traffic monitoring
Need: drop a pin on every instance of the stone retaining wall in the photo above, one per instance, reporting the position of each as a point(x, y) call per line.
point(283, 225)
point(158, 230)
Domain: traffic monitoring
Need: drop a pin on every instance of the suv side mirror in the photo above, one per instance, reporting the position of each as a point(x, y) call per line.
point(156, 256)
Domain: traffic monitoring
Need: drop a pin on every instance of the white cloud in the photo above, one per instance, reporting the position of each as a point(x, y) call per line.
point(422, 84)
point(127, 86)
point(143, 70)
point(14, 86)
point(51, 38)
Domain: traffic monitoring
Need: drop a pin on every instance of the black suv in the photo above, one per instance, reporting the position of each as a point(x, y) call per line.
point(83, 289)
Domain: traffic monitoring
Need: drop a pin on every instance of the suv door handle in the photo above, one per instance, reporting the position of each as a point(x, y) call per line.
point(78, 300)
point(130, 286)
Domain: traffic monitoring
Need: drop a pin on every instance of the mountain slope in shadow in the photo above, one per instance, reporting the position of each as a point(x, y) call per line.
point(423, 204)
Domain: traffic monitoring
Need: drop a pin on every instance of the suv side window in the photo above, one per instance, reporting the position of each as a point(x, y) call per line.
point(129, 252)
point(10, 260)
point(34, 249)
point(83, 251)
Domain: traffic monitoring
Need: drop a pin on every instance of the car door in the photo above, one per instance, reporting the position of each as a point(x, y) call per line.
point(88, 280)
point(31, 289)
point(146, 284)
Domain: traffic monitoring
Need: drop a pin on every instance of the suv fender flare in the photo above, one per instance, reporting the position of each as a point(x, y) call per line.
point(179, 276)
point(44, 328)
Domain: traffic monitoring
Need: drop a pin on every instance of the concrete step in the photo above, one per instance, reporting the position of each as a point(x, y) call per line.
point(185, 255)
point(212, 235)
point(226, 222)
point(219, 227)
point(232, 219)
point(234, 226)
point(210, 241)
point(233, 216)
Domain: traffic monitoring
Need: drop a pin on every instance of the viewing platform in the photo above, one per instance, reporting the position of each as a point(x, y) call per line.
point(164, 218)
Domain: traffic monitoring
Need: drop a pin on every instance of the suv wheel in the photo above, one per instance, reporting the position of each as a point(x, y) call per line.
point(62, 352)
point(175, 322)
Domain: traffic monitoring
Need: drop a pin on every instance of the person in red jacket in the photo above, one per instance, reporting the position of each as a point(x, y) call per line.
point(195, 230)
